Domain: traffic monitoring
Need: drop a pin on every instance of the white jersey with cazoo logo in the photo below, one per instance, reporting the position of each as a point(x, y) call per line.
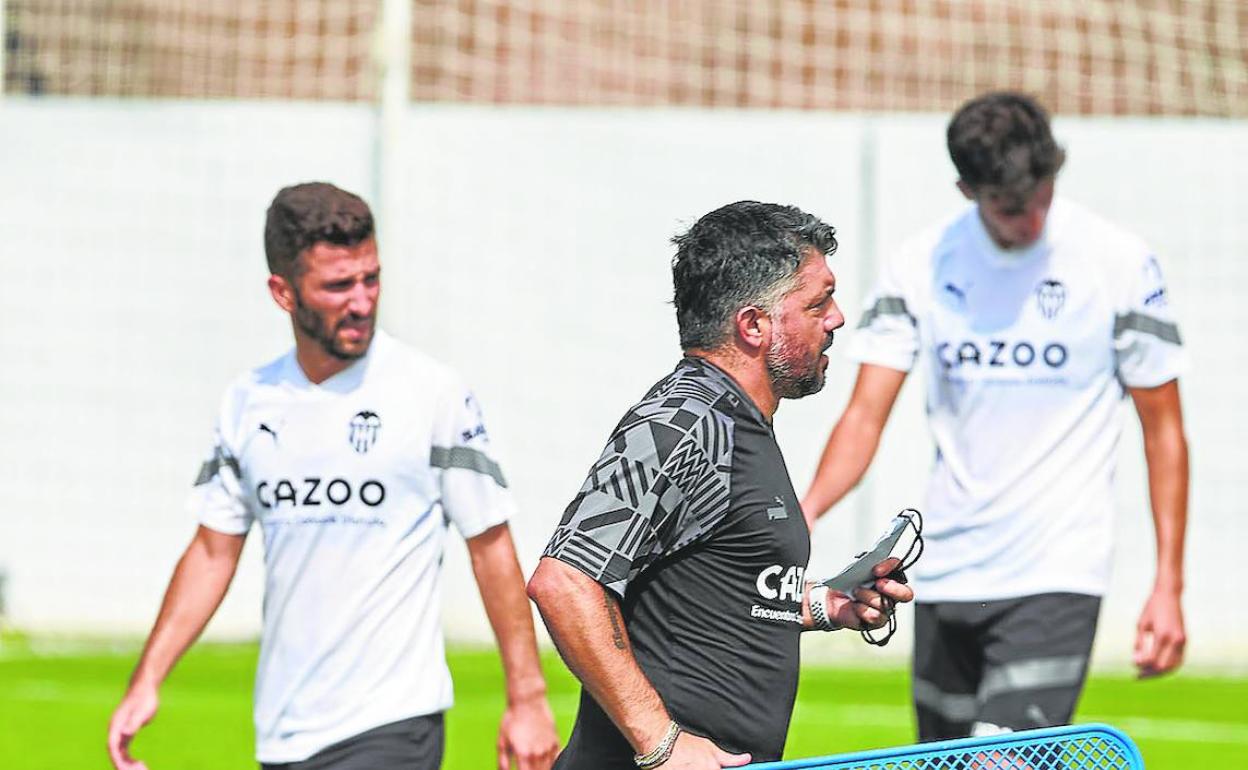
point(353, 482)
point(1027, 354)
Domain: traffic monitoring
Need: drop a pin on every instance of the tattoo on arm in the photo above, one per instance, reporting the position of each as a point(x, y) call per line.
point(617, 633)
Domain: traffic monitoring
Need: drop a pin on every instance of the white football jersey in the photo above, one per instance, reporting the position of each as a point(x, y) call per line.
point(353, 482)
point(1027, 354)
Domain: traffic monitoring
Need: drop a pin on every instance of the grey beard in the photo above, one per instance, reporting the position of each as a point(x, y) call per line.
point(786, 381)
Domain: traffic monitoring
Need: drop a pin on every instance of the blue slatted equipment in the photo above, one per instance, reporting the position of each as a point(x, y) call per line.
point(1075, 747)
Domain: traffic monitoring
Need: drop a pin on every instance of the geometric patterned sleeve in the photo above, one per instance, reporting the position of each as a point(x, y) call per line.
point(661, 483)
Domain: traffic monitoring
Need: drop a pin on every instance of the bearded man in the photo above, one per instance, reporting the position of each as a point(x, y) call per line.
point(674, 585)
point(353, 453)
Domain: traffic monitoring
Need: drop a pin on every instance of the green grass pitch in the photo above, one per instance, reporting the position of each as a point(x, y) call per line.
point(54, 710)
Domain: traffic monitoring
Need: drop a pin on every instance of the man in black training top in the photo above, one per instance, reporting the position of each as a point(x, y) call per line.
point(674, 585)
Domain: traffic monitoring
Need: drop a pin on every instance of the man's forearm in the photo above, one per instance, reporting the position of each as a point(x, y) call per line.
point(498, 575)
point(198, 585)
point(845, 459)
point(585, 622)
point(854, 439)
point(1165, 450)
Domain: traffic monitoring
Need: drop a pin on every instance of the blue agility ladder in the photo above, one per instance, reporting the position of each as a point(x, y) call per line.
point(1075, 747)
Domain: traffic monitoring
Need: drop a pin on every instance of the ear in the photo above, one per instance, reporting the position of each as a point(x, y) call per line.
point(753, 327)
point(283, 293)
point(966, 190)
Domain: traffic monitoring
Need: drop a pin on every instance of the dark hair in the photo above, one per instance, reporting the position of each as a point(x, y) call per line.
point(306, 214)
point(1002, 140)
point(746, 253)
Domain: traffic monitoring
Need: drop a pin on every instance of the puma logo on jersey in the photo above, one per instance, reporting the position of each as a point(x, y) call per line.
point(264, 428)
point(776, 582)
point(314, 491)
point(958, 294)
point(1001, 353)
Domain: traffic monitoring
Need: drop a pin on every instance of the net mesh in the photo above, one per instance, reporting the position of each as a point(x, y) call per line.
point(1182, 57)
point(1080, 749)
point(287, 49)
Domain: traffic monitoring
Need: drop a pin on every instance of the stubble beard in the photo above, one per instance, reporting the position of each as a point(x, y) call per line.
point(313, 324)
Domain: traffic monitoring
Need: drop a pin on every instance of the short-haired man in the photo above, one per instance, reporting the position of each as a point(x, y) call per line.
point(673, 586)
point(353, 452)
point(1033, 317)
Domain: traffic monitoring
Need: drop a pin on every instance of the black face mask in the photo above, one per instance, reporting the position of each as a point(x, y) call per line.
point(913, 520)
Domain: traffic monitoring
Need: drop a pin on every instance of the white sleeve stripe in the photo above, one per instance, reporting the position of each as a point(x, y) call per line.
point(467, 459)
point(1138, 322)
point(886, 306)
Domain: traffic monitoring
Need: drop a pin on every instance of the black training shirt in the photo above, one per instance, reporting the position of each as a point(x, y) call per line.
point(690, 519)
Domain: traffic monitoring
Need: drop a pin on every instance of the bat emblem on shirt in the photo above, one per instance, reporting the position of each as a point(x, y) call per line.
point(1050, 296)
point(365, 426)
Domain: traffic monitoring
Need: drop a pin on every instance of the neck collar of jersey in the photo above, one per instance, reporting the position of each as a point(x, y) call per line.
point(348, 379)
point(729, 384)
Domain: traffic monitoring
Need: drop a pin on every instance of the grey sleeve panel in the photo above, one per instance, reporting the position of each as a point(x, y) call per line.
point(220, 459)
point(468, 459)
point(1167, 331)
point(886, 306)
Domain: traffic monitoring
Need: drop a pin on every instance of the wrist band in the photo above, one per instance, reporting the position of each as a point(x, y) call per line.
point(661, 753)
point(819, 609)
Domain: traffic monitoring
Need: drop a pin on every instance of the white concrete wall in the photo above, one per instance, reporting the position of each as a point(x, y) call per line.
point(531, 254)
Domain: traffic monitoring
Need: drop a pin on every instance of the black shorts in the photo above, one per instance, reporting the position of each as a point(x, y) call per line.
point(409, 744)
point(1015, 664)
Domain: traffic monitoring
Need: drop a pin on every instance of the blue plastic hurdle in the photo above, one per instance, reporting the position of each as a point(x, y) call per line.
point(1074, 747)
